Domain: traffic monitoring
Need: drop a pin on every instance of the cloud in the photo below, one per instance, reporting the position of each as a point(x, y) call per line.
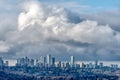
point(3, 47)
point(110, 17)
point(45, 29)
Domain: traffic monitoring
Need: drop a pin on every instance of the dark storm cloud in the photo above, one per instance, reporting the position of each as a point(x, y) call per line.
point(71, 43)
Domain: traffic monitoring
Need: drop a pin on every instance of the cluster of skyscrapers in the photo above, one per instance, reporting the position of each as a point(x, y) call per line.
point(47, 61)
point(48, 68)
point(50, 61)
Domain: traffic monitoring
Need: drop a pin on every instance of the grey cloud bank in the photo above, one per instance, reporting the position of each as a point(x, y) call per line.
point(45, 29)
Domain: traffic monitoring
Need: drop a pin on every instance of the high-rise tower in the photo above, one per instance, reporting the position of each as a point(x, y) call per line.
point(72, 61)
point(49, 60)
point(53, 62)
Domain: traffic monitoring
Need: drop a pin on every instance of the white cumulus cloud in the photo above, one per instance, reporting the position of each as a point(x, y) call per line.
point(45, 29)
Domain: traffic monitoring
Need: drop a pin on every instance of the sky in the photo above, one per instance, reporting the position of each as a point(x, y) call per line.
point(86, 29)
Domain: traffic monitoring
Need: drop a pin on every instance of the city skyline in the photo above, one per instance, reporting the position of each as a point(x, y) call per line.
point(44, 60)
point(46, 68)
